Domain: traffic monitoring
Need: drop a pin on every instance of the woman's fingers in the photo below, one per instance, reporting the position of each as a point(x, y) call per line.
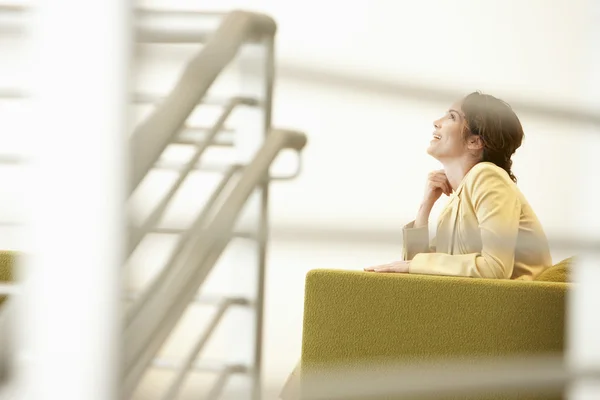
point(398, 266)
point(389, 269)
point(439, 176)
point(448, 188)
point(379, 268)
point(386, 269)
point(443, 185)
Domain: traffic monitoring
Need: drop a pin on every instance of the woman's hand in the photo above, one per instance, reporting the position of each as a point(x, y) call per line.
point(396, 266)
point(437, 184)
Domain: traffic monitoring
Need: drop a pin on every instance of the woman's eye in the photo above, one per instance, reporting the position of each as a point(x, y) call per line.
point(452, 117)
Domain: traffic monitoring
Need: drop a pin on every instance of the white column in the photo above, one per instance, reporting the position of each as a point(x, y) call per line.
point(584, 301)
point(72, 288)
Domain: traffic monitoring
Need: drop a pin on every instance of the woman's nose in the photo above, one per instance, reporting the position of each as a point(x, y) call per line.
point(436, 124)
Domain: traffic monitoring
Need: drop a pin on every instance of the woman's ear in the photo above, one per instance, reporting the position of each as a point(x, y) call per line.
point(474, 142)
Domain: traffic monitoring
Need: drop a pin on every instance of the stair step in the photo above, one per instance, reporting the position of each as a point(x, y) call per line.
point(12, 93)
point(201, 299)
point(177, 231)
point(173, 26)
point(152, 98)
point(12, 159)
point(200, 366)
point(178, 166)
point(152, 25)
point(172, 166)
point(196, 135)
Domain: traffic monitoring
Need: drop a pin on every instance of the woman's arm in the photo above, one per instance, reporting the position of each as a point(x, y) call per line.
point(422, 219)
point(497, 207)
point(437, 184)
point(416, 234)
point(415, 241)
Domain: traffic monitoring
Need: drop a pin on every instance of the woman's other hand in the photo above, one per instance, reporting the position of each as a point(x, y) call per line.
point(437, 184)
point(396, 266)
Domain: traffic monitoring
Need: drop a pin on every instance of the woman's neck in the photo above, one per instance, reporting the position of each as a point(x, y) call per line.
point(457, 169)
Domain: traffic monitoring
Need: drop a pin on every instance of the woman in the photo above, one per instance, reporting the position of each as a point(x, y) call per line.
point(488, 229)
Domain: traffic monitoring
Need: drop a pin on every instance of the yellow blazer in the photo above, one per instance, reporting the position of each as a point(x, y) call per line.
point(487, 230)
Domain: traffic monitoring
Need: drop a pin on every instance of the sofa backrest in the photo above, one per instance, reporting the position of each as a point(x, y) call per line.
point(558, 272)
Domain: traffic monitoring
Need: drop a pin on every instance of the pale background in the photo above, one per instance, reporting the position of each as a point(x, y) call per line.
point(365, 164)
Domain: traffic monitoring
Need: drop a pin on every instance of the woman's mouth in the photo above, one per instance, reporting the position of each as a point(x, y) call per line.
point(436, 136)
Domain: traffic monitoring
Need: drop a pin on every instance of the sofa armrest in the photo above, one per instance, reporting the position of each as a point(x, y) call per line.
point(7, 261)
point(352, 316)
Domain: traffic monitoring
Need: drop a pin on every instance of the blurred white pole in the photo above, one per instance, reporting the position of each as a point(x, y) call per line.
point(255, 62)
point(72, 287)
point(584, 301)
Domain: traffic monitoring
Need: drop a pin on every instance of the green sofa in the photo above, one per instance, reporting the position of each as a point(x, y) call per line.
point(353, 317)
point(7, 259)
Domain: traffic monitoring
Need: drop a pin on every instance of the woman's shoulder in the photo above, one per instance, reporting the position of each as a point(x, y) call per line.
point(487, 170)
point(486, 175)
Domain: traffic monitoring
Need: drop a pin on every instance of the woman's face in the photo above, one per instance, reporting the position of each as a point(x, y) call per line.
point(448, 141)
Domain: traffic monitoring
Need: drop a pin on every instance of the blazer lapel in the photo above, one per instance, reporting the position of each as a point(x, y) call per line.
point(453, 224)
point(446, 228)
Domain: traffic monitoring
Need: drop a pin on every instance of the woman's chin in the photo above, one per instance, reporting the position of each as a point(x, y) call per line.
point(432, 151)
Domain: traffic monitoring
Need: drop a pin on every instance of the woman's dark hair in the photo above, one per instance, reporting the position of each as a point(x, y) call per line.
point(499, 128)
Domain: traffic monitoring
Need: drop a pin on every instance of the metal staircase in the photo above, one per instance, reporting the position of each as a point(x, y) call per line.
point(237, 207)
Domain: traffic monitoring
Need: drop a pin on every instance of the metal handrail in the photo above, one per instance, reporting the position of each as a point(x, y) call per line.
point(157, 313)
point(220, 383)
point(159, 129)
point(153, 135)
point(187, 364)
point(184, 239)
point(147, 332)
point(138, 233)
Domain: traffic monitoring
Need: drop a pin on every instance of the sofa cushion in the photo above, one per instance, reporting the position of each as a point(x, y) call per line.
point(558, 272)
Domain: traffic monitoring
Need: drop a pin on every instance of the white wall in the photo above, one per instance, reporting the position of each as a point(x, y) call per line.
point(365, 164)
